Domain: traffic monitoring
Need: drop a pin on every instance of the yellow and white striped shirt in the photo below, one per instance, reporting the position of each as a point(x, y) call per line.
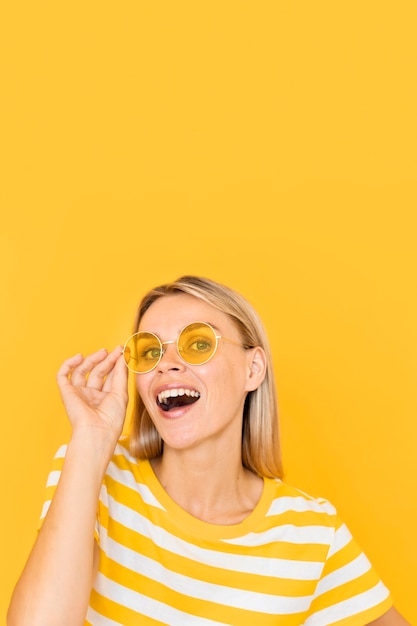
point(292, 562)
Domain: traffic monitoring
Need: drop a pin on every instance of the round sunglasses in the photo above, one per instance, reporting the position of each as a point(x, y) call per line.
point(196, 344)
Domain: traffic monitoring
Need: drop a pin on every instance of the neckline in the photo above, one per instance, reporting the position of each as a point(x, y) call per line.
point(185, 521)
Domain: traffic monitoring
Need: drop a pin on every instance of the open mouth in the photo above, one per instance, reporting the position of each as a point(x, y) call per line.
point(174, 398)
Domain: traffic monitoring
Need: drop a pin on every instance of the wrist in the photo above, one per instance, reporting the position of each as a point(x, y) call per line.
point(91, 448)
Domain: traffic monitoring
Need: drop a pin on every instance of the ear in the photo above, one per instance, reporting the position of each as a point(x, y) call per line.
point(256, 368)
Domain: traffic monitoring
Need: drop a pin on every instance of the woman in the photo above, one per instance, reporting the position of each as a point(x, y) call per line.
point(187, 521)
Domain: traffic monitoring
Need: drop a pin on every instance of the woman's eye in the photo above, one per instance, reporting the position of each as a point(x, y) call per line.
point(151, 354)
point(200, 345)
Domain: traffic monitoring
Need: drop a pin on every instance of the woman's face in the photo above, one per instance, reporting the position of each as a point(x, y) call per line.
point(208, 399)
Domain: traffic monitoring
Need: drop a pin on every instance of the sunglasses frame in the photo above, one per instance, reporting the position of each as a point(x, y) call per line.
point(163, 343)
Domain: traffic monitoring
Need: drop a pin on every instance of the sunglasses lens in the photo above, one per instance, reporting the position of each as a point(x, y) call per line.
point(142, 352)
point(197, 343)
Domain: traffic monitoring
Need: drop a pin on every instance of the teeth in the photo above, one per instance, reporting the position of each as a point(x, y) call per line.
point(173, 393)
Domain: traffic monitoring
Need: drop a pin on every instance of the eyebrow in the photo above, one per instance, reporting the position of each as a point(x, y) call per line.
point(214, 327)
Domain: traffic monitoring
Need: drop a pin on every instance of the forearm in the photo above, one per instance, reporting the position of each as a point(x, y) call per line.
point(55, 585)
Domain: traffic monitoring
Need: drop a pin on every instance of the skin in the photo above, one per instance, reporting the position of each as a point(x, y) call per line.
point(55, 585)
point(201, 446)
point(202, 440)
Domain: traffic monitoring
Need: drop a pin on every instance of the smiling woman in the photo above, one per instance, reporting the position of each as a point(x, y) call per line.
point(187, 520)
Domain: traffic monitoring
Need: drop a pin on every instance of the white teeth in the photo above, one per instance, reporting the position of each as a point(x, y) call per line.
point(173, 393)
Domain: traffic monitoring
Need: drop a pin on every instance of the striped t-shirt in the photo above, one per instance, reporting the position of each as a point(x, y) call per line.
point(291, 562)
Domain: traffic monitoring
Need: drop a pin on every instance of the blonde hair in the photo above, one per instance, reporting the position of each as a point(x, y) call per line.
point(260, 433)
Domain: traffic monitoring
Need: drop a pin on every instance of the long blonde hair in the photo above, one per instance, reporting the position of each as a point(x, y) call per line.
point(260, 434)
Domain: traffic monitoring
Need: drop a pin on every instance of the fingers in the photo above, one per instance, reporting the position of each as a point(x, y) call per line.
point(94, 390)
point(66, 369)
point(84, 369)
point(89, 371)
point(117, 378)
point(103, 369)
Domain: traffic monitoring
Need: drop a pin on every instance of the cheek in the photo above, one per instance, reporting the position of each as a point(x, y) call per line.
point(142, 385)
point(228, 377)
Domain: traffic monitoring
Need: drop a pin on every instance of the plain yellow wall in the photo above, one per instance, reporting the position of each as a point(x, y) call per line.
point(269, 145)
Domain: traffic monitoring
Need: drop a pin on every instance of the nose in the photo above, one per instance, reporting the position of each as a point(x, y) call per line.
point(170, 359)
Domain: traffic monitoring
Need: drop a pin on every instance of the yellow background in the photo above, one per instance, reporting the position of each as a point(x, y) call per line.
point(268, 145)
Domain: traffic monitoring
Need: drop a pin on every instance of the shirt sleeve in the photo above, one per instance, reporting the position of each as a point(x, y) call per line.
point(350, 591)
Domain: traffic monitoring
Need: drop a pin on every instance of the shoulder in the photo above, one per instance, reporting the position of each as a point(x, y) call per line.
point(287, 498)
point(123, 464)
point(122, 452)
point(126, 474)
point(302, 518)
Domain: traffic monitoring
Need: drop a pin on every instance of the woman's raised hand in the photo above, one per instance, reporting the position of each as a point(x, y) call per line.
point(55, 585)
point(94, 392)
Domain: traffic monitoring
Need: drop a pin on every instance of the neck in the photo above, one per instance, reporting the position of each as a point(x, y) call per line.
point(211, 485)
